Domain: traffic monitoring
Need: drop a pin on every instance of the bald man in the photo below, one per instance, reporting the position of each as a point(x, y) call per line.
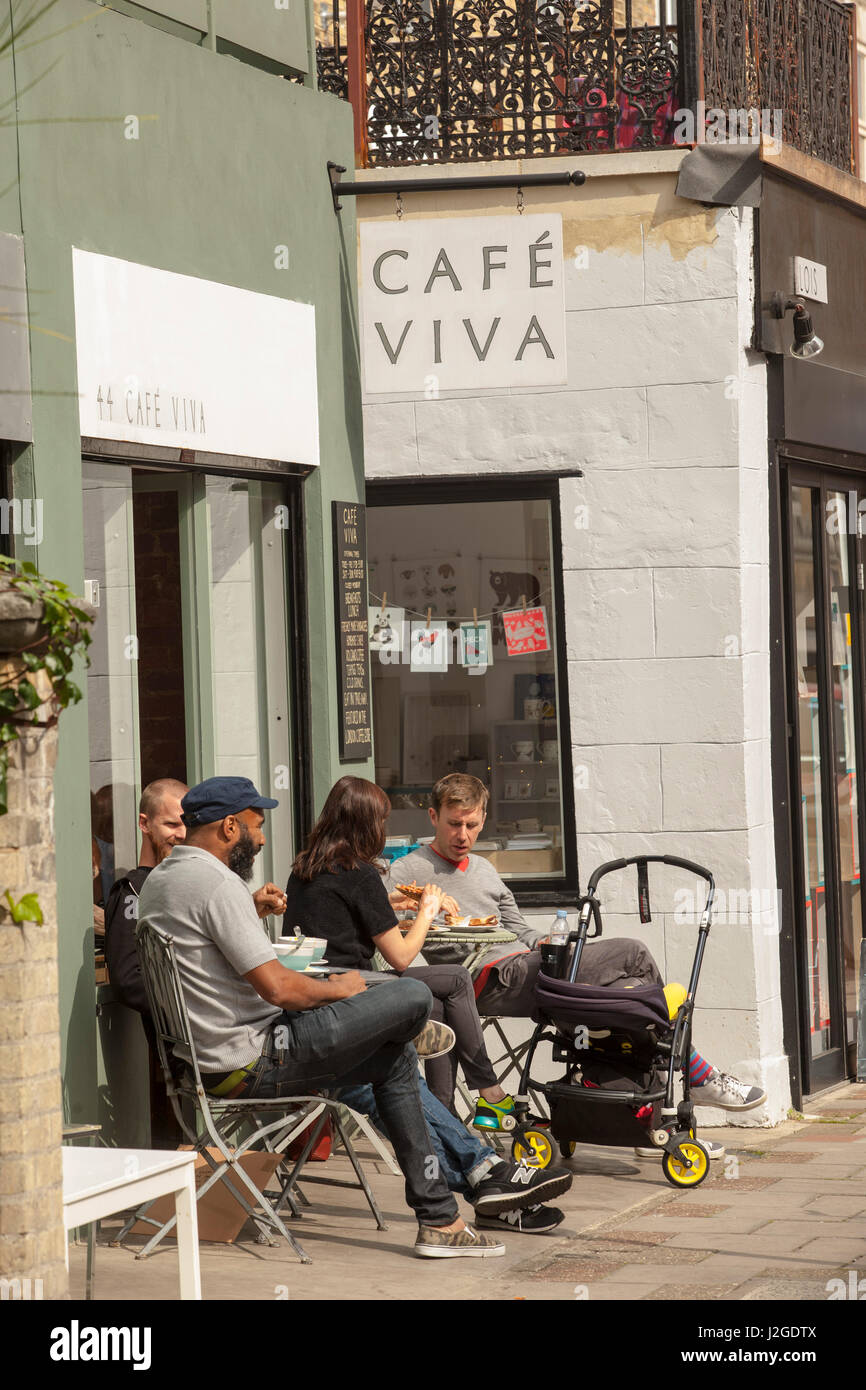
point(161, 825)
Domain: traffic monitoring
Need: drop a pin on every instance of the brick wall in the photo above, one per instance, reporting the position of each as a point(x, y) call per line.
point(31, 1230)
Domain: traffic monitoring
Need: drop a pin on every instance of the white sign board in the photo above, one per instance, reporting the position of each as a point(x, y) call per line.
point(173, 360)
point(810, 279)
point(460, 303)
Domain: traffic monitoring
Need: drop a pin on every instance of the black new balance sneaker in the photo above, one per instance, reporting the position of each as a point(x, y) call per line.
point(511, 1186)
point(532, 1220)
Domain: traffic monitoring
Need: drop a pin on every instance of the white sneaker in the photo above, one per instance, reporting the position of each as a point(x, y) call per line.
point(727, 1093)
point(443, 1245)
point(713, 1149)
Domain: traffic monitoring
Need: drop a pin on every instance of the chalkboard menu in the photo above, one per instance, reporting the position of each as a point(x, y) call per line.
point(353, 659)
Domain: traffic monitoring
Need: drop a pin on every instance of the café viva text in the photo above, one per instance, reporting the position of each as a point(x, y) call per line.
point(481, 335)
point(155, 410)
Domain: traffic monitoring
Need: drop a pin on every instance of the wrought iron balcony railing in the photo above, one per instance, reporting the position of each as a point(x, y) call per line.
point(455, 80)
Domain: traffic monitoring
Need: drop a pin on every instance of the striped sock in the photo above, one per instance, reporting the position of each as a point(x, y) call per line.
point(699, 1069)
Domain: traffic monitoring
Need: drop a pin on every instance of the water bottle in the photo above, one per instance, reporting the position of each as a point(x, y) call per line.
point(559, 930)
point(558, 948)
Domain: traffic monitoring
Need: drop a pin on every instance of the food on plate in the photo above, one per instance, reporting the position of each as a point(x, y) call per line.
point(483, 921)
point(451, 920)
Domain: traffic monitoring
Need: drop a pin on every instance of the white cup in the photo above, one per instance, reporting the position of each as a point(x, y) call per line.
point(524, 750)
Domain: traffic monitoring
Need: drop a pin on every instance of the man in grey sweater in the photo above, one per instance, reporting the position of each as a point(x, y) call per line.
point(504, 975)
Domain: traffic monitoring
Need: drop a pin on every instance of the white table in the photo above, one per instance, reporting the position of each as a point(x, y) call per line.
point(98, 1182)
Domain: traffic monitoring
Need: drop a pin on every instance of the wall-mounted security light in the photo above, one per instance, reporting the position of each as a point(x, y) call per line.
point(806, 341)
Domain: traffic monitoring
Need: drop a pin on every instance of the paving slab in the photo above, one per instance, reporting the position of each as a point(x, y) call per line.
point(763, 1290)
point(835, 1207)
point(687, 1293)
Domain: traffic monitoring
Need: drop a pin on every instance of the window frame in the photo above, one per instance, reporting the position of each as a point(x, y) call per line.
point(540, 487)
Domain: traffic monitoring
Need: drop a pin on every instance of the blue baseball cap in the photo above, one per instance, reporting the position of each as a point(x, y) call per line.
point(218, 797)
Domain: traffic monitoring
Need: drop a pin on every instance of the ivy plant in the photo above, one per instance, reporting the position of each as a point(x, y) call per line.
point(65, 635)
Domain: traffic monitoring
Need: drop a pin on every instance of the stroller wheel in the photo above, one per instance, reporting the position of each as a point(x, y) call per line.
point(567, 1147)
point(534, 1148)
point(677, 1173)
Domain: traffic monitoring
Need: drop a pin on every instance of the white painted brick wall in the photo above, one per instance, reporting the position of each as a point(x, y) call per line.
point(665, 561)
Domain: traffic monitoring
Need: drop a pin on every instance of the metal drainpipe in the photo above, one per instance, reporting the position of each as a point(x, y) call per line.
point(211, 27)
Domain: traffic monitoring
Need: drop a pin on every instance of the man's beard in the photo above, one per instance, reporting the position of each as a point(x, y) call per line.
point(242, 856)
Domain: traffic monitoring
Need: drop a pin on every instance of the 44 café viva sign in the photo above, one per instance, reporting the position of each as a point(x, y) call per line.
point(462, 302)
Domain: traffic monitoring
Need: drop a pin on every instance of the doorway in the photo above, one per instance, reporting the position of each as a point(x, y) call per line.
point(825, 645)
point(190, 674)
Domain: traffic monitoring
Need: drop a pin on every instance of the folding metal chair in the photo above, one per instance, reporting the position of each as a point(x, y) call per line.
point(232, 1127)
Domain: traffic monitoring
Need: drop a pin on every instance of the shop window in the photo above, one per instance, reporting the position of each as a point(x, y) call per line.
point(463, 628)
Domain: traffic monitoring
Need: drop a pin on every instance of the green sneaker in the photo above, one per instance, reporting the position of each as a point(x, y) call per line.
point(494, 1114)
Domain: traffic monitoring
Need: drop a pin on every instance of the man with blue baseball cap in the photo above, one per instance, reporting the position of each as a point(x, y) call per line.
point(332, 1032)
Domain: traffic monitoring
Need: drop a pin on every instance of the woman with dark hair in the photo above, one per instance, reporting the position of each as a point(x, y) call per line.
point(336, 892)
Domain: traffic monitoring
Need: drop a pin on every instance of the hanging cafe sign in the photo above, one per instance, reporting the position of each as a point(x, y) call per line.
point(462, 302)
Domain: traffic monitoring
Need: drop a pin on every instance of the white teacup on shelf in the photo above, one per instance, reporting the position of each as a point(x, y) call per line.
point(525, 750)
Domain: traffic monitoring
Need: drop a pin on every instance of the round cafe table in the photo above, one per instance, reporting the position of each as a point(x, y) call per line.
point(476, 938)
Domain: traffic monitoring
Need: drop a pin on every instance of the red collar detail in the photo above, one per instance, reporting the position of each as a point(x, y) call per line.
point(462, 866)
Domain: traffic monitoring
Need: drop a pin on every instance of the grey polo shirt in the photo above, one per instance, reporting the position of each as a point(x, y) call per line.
point(218, 937)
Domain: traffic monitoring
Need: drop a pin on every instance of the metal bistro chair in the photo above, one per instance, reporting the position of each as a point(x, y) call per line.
point(274, 1122)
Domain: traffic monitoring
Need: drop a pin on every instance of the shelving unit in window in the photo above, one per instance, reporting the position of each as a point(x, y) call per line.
point(531, 782)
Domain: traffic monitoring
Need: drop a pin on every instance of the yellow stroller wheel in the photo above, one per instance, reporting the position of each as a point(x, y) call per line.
point(676, 1171)
point(567, 1147)
point(534, 1148)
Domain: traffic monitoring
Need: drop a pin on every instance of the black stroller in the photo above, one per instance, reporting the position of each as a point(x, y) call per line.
point(622, 1049)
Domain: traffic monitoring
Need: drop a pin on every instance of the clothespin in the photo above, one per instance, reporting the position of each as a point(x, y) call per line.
point(475, 617)
point(429, 611)
point(523, 601)
point(384, 600)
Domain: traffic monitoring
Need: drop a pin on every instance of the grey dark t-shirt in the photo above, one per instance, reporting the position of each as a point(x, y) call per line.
point(192, 897)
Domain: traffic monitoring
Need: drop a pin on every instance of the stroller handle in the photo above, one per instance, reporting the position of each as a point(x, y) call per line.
point(613, 864)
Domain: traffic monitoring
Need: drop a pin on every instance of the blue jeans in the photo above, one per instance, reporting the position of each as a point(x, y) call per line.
point(457, 1150)
point(365, 1039)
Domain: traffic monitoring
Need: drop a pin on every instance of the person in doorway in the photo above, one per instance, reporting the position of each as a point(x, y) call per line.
point(335, 891)
point(505, 978)
point(262, 1030)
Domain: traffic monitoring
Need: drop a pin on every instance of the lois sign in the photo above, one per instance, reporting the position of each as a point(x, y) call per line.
point(461, 303)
